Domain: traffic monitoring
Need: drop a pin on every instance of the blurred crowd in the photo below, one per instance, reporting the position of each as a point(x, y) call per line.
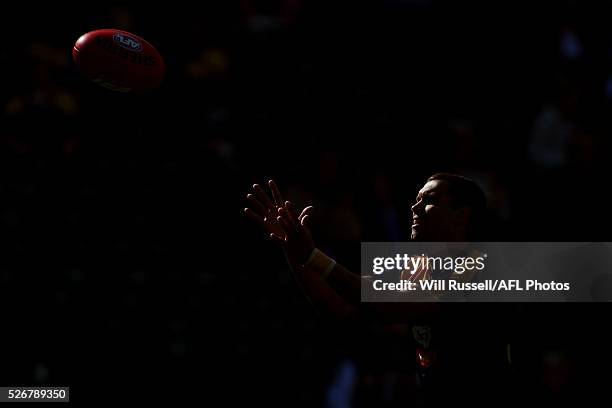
point(125, 257)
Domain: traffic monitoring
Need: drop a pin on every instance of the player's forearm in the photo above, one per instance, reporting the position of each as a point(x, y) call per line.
point(324, 274)
point(319, 293)
point(333, 275)
point(327, 299)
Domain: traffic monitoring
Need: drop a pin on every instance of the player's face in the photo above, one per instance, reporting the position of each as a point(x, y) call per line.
point(433, 218)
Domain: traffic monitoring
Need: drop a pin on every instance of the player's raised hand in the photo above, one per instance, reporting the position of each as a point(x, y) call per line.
point(297, 240)
point(264, 209)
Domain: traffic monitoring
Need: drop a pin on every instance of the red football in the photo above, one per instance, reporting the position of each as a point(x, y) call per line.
point(118, 60)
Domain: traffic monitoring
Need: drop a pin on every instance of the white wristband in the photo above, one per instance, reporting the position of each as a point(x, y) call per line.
point(311, 257)
point(320, 263)
point(328, 270)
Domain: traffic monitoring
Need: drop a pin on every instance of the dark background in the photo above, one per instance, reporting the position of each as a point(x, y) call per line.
point(127, 269)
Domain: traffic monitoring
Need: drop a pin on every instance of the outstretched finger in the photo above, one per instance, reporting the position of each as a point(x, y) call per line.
point(254, 216)
point(292, 211)
point(286, 225)
point(257, 206)
point(276, 194)
point(306, 211)
point(306, 222)
point(291, 222)
point(263, 197)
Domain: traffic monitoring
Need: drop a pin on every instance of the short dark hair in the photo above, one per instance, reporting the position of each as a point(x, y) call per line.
point(465, 192)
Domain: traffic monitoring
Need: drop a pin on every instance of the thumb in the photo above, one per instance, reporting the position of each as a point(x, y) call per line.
point(306, 223)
